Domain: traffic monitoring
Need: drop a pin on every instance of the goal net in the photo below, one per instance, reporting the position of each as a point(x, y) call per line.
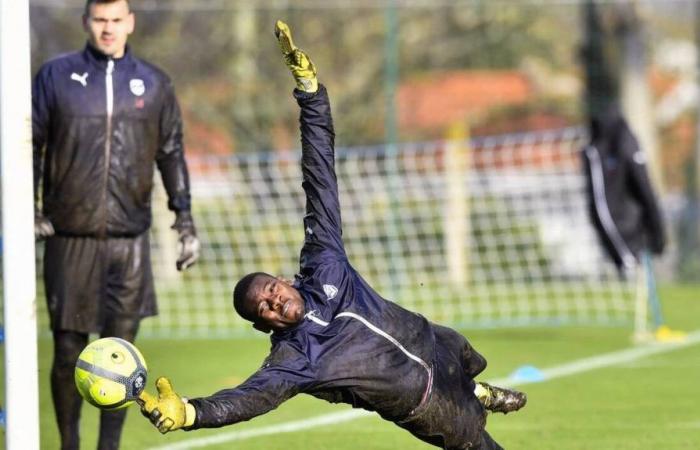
point(487, 232)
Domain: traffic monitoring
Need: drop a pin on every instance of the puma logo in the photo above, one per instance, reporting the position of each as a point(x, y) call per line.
point(82, 79)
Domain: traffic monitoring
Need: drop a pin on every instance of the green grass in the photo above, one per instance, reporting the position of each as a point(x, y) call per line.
point(650, 403)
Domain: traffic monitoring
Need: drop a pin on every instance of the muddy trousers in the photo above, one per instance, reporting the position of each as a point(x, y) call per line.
point(66, 399)
point(452, 418)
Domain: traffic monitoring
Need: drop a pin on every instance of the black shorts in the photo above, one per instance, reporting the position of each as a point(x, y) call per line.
point(452, 418)
point(89, 280)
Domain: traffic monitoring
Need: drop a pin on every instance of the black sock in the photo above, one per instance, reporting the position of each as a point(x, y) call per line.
point(66, 399)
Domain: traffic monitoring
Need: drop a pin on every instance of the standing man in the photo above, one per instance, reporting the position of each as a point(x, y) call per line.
point(101, 118)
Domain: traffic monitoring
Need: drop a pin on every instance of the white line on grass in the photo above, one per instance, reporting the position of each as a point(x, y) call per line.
point(606, 360)
point(285, 427)
point(563, 370)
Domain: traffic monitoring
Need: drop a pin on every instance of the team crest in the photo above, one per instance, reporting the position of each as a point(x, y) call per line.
point(138, 384)
point(137, 87)
point(330, 290)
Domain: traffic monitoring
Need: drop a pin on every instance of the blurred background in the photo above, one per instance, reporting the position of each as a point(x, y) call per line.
point(460, 126)
point(500, 90)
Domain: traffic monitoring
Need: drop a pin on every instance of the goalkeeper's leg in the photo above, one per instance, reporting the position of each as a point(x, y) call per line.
point(66, 399)
point(112, 422)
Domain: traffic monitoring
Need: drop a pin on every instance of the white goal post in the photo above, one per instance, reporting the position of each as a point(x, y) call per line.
point(19, 291)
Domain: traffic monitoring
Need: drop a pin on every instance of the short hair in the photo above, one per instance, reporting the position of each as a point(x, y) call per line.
point(89, 3)
point(241, 294)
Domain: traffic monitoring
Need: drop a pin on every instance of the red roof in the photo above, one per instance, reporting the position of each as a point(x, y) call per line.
point(440, 100)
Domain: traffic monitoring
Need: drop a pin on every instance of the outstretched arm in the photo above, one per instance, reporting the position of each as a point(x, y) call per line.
point(283, 375)
point(322, 223)
point(261, 393)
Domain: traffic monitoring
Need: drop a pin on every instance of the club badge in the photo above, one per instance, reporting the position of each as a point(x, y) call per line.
point(330, 291)
point(137, 87)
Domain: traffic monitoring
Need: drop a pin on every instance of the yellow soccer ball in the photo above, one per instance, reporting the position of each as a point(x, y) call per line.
point(110, 373)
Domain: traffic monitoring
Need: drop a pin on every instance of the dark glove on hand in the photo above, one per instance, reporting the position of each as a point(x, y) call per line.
point(189, 243)
point(42, 226)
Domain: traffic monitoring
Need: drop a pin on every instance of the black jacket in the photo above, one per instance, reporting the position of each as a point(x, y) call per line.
point(98, 125)
point(622, 203)
point(352, 346)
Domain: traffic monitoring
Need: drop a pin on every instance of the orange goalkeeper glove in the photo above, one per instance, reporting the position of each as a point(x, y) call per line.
point(303, 70)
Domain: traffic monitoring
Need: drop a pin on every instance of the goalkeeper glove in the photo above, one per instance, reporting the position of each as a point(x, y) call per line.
point(168, 411)
point(189, 243)
point(42, 226)
point(297, 61)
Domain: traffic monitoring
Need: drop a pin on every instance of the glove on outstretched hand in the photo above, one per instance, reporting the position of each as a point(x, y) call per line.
point(42, 226)
point(168, 411)
point(189, 243)
point(297, 61)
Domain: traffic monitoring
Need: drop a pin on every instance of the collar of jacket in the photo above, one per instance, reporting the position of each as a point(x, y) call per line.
point(99, 60)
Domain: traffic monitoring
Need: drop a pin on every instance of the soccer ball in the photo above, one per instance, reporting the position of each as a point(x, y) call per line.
point(110, 373)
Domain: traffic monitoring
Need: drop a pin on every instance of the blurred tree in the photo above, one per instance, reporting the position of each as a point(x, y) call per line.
point(53, 31)
point(601, 87)
point(688, 266)
point(491, 35)
point(229, 76)
point(635, 92)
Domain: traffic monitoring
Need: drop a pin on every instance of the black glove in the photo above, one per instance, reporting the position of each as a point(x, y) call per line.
point(42, 226)
point(189, 243)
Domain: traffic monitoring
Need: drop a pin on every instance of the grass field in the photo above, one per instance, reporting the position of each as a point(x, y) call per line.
point(646, 403)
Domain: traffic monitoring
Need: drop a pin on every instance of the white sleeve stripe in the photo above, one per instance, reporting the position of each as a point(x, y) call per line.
point(601, 205)
point(311, 315)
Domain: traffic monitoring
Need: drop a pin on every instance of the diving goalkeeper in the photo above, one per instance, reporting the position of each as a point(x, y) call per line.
point(333, 337)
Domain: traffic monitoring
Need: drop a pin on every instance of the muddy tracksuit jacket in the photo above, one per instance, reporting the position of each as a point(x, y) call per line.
point(98, 126)
point(353, 346)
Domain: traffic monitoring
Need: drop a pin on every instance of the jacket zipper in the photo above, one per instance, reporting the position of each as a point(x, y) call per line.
point(311, 315)
point(108, 140)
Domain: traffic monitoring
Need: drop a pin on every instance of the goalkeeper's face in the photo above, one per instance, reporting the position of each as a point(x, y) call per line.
point(274, 303)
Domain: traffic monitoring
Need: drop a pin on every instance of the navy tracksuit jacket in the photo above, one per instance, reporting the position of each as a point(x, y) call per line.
point(98, 126)
point(352, 346)
point(622, 204)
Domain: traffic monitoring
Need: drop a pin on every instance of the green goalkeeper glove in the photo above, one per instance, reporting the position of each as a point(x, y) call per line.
point(297, 61)
point(168, 411)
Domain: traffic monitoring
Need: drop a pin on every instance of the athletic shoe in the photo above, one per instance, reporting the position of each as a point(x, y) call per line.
point(498, 399)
